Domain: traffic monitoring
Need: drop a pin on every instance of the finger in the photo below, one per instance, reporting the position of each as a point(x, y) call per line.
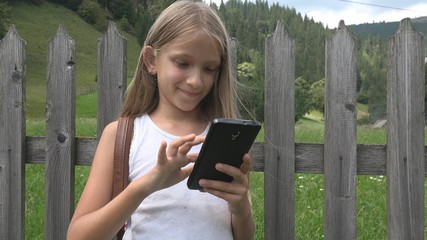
point(185, 161)
point(161, 157)
point(229, 170)
point(247, 164)
point(187, 170)
point(184, 149)
point(192, 157)
point(213, 184)
point(175, 144)
point(217, 193)
point(237, 175)
point(224, 190)
point(201, 138)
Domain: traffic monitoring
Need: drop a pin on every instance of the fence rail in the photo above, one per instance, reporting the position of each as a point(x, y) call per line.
point(340, 159)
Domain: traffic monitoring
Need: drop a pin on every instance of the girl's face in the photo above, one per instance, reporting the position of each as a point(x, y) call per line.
point(186, 70)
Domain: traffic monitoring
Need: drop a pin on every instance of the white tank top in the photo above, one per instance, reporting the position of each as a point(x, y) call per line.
point(176, 212)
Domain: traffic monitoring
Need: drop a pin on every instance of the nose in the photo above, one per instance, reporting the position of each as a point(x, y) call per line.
point(195, 79)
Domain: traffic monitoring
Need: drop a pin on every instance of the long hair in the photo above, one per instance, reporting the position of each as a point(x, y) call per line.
point(177, 22)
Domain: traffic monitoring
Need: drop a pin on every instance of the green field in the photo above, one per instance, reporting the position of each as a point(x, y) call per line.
point(37, 29)
point(371, 190)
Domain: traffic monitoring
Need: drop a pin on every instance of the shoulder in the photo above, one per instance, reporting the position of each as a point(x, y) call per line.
point(111, 127)
point(104, 155)
point(110, 130)
point(108, 135)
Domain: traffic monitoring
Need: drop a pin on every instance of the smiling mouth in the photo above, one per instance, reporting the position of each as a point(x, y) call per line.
point(190, 94)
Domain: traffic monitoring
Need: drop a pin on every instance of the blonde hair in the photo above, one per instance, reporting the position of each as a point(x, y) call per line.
point(178, 21)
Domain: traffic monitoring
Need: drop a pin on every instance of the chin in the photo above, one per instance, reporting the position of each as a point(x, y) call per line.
point(189, 108)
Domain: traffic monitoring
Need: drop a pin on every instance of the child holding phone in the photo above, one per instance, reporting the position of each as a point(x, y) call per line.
point(183, 81)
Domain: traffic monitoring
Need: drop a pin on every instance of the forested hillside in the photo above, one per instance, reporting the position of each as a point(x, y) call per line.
point(249, 22)
point(387, 29)
point(373, 43)
point(37, 24)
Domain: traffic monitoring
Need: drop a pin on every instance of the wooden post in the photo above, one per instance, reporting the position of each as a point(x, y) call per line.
point(112, 80)
point(12, 136)
point(340, 135)
point(60, 134)
point(279, 136)
point(405, 140)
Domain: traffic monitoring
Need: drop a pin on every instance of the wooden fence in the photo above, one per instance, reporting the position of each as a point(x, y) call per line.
point(340, 159)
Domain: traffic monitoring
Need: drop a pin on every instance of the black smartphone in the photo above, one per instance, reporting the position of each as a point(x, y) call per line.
point(226, 142)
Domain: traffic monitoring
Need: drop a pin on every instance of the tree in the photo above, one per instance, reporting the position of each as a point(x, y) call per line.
point(425, 89)
point(317, 93)
point(5, 14)
point(122, 9)
point(145, 20)
point(125, 25)
point(36, 2)
point(88, 10)
point(73, 4)
point(94, 14)
point(302, 98)
point(246, 71)
point(373, 76)
point(251, 92)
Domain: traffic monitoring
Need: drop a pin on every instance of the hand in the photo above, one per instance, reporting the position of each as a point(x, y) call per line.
point(234, 192)
point(172, 161)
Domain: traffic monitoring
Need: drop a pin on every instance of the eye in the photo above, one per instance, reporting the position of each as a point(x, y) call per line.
point(212, 69)
point(181, 63)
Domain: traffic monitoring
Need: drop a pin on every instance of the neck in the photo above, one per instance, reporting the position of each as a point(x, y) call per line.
point(178, 123)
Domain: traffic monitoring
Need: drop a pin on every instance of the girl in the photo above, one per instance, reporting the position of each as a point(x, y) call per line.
point(182, 81)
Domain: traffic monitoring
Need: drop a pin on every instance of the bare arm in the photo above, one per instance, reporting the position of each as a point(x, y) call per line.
point(99, 217)
point(96, 216)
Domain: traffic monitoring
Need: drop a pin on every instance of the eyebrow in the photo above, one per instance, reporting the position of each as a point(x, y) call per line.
point(183, 54)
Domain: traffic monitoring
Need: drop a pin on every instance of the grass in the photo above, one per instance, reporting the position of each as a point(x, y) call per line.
point(37, 24)
point(371, 190)
point(309, 200)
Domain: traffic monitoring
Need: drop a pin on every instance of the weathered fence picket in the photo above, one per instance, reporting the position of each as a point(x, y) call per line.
point(405, 135)
point(112, 81)
point(340, 135)
point(279, 130)
point(12, 135)
point(340, 159)
point(60, 134)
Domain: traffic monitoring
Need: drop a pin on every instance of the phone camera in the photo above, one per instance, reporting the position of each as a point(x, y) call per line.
point(235, 134)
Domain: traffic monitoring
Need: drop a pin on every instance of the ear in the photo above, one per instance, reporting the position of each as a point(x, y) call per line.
point(149, 58)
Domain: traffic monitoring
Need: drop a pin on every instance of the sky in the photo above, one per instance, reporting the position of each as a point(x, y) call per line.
point(330, 12)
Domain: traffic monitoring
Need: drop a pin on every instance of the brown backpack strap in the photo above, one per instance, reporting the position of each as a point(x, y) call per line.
point(121, 158)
